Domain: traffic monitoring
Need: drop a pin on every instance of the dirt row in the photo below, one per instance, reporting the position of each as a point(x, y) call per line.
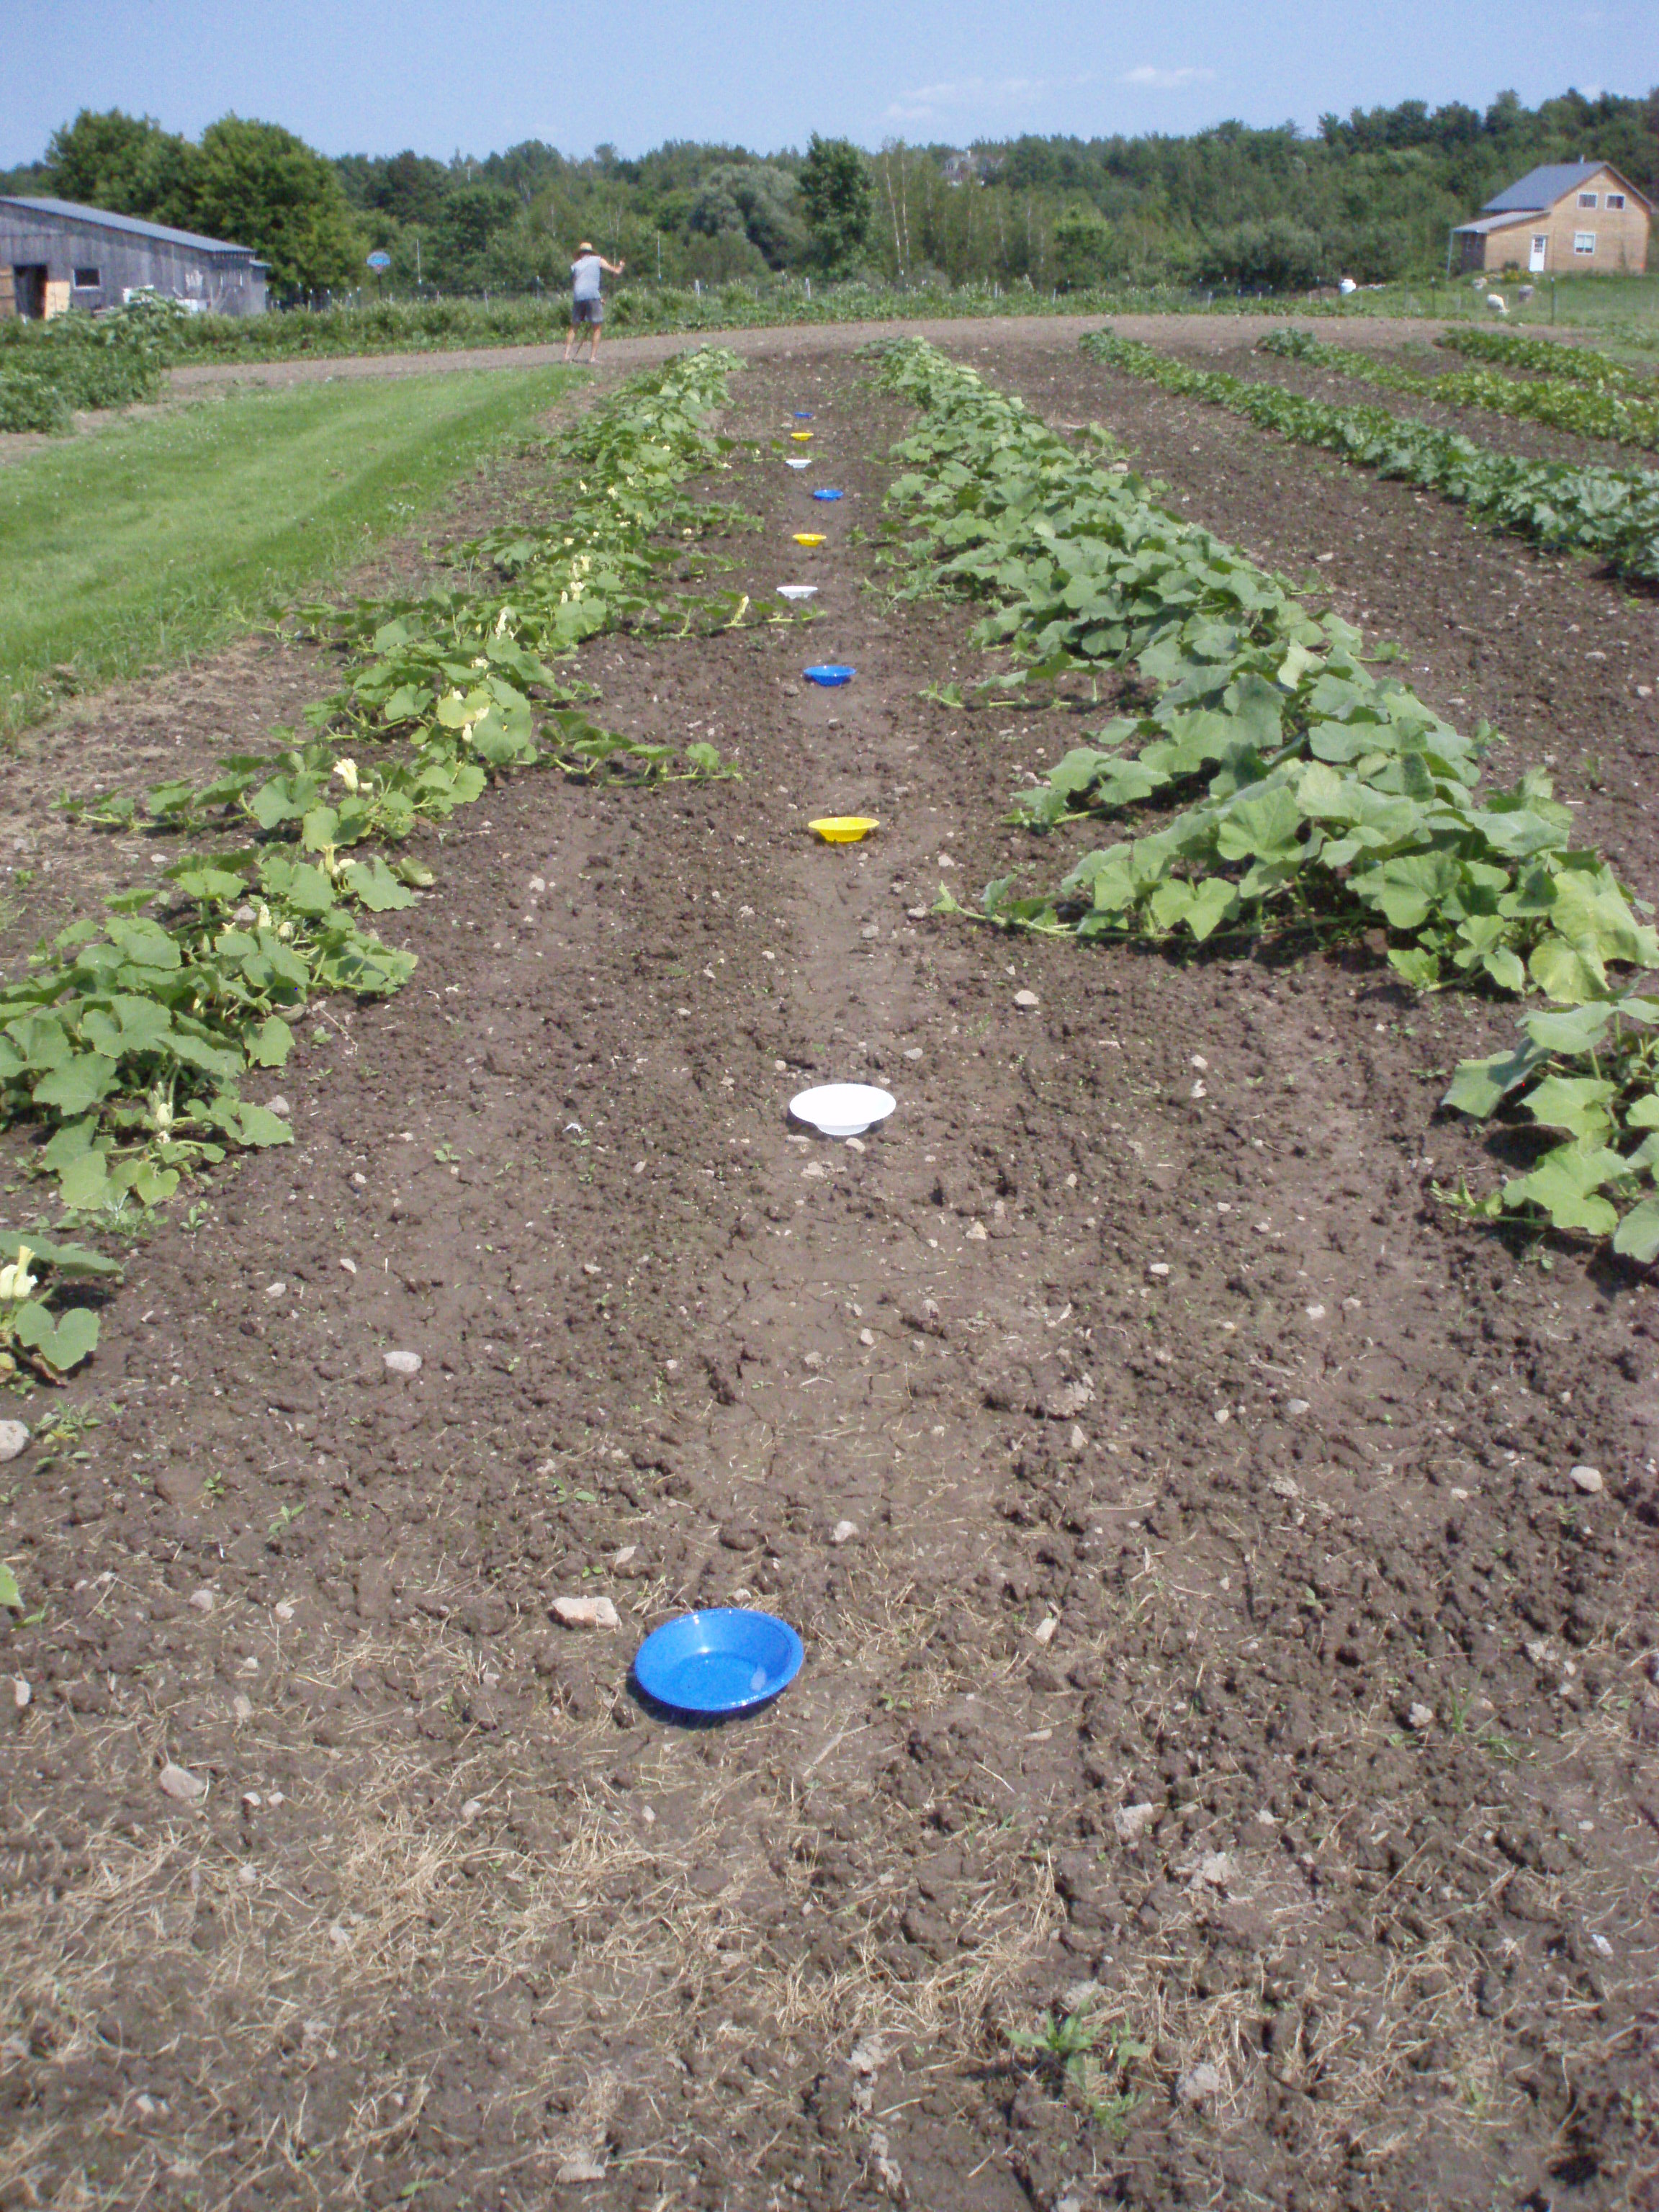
point(1206, 1639)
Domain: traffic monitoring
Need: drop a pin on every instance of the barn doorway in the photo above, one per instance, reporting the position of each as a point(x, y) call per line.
point(29, 281)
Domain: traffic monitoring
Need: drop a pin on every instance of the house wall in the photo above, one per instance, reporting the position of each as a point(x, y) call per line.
point(226, 283)
point(1496, 249)
point(1621, 234)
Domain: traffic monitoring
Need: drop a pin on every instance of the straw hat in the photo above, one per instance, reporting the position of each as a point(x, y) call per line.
point(585, 245)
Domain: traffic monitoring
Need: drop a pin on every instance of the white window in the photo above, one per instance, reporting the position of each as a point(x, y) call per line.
point(1615, 199)
point(1587, 199)
point(1583, 241)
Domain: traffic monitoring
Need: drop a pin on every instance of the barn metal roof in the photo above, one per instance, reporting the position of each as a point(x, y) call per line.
point(70, 211)
point(1540, 188)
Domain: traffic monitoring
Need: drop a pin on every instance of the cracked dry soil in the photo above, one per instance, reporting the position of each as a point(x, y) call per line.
point(1221, 1648)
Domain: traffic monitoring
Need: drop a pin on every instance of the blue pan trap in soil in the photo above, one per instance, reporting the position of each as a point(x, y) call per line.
point(803, 414)
point(726, 1661)
point(828, 495)
point(830, 674)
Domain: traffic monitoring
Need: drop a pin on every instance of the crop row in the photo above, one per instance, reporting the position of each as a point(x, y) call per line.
point(76, 361)
point(125, 1047)
point(1572, 364)
point(1588, 411)
point(1611, 513)
point(1312, 795)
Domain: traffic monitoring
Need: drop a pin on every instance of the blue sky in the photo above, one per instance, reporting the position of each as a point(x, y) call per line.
point(376, 75)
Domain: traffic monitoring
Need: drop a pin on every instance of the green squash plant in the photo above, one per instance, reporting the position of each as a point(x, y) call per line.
point(1308, 793)
point(32, 1336)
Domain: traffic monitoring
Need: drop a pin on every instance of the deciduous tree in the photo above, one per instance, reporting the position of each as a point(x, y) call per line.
point(259, 185)
point(125, 163)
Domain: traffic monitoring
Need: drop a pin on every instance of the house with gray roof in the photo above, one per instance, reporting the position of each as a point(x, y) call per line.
point(55, 255)
point(1565, 219)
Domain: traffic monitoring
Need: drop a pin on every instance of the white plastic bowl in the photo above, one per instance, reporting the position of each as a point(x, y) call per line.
point(790, 461)
point(842, 1109)
point(797, 591)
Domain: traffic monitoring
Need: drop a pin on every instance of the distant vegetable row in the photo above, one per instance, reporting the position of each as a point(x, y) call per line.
point(1575, 364)
point(1611, 513)
point(1315, 798)
point(1585, 410)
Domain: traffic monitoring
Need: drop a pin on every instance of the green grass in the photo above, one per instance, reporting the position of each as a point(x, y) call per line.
point(1611, 311)
point(153, 540)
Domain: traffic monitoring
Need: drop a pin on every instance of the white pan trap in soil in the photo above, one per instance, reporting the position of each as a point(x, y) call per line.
point(842, 1109)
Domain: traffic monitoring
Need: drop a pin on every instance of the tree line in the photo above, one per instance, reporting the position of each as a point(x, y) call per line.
point(1370, 196)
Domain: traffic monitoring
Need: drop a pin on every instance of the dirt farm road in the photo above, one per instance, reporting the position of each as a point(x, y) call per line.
point(1191, 333)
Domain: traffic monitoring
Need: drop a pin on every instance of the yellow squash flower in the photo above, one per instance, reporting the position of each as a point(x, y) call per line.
point(16, 1281)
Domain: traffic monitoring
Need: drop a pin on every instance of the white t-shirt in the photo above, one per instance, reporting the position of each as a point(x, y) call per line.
point(585, 277)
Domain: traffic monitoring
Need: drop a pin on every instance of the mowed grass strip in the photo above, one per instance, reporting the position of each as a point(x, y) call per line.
point(156, 539)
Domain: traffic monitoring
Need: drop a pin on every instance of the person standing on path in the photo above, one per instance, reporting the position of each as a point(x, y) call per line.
point(585, 305)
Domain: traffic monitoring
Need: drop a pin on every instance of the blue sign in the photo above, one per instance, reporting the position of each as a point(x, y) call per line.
point(377, 261)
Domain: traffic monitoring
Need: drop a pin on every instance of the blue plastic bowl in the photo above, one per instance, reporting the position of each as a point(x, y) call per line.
point(827, 494)
point(803, 414)
point(726, 1660)
point(830, 674)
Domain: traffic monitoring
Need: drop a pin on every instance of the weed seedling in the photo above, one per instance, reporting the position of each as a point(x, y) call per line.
point(1067, 2049)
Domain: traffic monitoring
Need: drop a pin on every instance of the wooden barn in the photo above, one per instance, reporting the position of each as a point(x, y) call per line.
point(1566, 219)
point(55, 255)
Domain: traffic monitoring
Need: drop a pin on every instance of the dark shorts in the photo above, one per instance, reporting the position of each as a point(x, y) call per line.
point(587, 311)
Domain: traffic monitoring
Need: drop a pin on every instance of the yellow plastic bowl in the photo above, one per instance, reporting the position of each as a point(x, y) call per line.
point(809, 537)
point(843, 828)
point(800, 437)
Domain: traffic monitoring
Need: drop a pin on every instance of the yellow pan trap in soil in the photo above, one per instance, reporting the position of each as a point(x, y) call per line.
point(809, 537)
point(800, 436)
point(843, 828)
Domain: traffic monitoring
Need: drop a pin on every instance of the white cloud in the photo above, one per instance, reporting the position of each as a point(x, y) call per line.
point(977, 96)
point(1166, 80)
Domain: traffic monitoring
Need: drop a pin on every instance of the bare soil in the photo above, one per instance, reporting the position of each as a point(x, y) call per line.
point(1221, 1649)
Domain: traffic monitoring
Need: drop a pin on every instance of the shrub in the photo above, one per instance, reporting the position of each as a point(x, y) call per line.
point(48, 369)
